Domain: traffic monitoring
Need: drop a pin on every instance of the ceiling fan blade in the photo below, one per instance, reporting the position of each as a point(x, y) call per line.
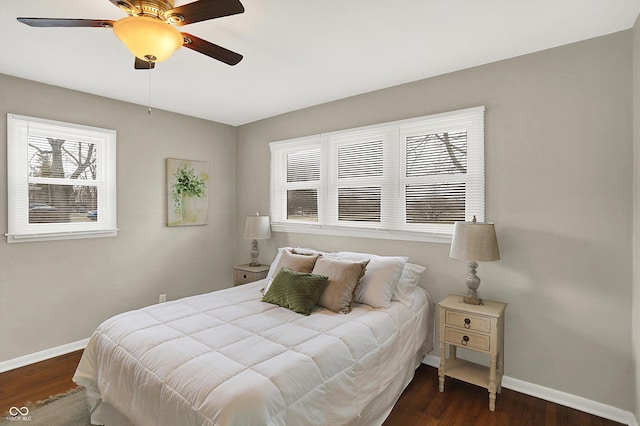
point(203, 10)
point(143, 65)
point(125, 5)
point(54, 22)
point(211, 50)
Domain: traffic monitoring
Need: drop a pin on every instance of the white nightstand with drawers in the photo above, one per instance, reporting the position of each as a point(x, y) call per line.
point(243, 274)
point(478, 328)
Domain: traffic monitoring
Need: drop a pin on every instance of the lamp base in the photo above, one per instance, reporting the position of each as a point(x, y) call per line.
point(254, 253)
point(472, 300)
point(473, 282)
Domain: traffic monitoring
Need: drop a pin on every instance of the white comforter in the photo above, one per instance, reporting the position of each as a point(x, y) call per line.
point(226, 358)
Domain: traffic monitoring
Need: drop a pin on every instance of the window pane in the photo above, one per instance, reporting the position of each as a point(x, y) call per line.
point(303, 166)
point(437, 153)
point(359, 204)
point(435, 203)
point(360, 160)
point(62, 203)
point(59, 158)
point(302, 204)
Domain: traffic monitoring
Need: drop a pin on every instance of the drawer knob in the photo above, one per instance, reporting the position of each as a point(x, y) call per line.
point(244, 276)
point(467, 323)
point(465, 340)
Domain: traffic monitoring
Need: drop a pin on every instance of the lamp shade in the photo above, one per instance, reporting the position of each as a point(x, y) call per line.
point(148, 38)
point(257, 228)
point(475, 241)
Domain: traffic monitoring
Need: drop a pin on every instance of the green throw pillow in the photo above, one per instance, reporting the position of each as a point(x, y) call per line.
point(296, 290)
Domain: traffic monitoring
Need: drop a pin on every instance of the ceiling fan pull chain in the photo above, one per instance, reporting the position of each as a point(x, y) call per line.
point(149, 94)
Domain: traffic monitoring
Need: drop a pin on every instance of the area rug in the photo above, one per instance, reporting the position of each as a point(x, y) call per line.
point(68, 409)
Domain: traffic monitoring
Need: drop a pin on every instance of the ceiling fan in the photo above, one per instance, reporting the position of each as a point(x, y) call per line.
point(149, 33)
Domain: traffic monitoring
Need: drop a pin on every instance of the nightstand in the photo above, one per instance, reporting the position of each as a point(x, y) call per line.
point(478, 328)
point(243, 274)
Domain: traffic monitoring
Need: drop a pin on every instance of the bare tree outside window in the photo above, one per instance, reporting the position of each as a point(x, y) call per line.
point(51, 159)
point(430, 155)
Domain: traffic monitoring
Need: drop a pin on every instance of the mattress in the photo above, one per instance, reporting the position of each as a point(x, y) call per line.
point(227, 358)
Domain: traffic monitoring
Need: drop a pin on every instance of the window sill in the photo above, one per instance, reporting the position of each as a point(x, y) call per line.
point(60, 236)
point(361, 232)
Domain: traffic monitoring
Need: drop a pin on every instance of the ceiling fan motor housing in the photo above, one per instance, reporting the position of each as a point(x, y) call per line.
point(150, 8)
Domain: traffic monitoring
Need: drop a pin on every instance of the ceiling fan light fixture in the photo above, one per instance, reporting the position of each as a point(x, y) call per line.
point(148, 37)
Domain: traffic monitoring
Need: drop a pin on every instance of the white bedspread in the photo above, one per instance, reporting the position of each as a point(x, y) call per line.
point(226, 358)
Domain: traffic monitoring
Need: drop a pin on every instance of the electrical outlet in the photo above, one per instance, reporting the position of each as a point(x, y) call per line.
point(162, 298)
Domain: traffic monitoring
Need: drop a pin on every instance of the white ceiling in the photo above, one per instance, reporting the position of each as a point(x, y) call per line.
point(297, 53)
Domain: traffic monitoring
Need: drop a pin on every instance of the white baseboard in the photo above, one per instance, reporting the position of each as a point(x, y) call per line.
point(568, 400)
point(42, 355)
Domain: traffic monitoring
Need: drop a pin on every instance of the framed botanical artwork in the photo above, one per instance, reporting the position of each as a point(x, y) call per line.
point(187, 192)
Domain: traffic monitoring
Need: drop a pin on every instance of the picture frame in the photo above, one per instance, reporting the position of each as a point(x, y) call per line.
point(187, 192)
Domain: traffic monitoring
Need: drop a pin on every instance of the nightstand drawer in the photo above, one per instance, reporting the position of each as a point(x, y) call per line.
point(468, 321)
point(243, 277)
point(243, 274)
point(463, 338)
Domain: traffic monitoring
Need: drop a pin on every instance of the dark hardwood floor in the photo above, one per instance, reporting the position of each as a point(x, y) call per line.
point(420, 404)
point(466, 405)
point(37, 382)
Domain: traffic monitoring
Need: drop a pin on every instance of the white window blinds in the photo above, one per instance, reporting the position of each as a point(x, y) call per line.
point(61, 180)
point(404, 179)
point(355, 188)
point(303, 166)
point(295, 176)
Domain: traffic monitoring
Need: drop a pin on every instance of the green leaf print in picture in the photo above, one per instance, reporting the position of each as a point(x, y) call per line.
point(187, 192)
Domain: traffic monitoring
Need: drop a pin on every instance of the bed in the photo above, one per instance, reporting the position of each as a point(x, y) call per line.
point(228, 358)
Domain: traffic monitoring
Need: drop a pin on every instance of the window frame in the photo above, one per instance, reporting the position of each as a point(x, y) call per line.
point(279, 175)
point(19, 129)
point(333, 142)
point(393, 219)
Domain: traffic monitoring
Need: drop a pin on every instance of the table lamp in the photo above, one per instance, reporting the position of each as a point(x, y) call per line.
point(475, 242)
point(256, 228)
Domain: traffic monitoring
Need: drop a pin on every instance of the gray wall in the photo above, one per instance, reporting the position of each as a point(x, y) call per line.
point(54, 293)
point(636, 212)
point(558, 186)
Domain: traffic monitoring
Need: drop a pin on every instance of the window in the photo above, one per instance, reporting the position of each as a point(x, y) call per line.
point(61, 180)
point(303, 176)
point(409, 179)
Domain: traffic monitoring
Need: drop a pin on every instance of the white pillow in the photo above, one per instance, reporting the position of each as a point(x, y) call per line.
point(380, 278)
point(404, 291)
point(272, 268)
